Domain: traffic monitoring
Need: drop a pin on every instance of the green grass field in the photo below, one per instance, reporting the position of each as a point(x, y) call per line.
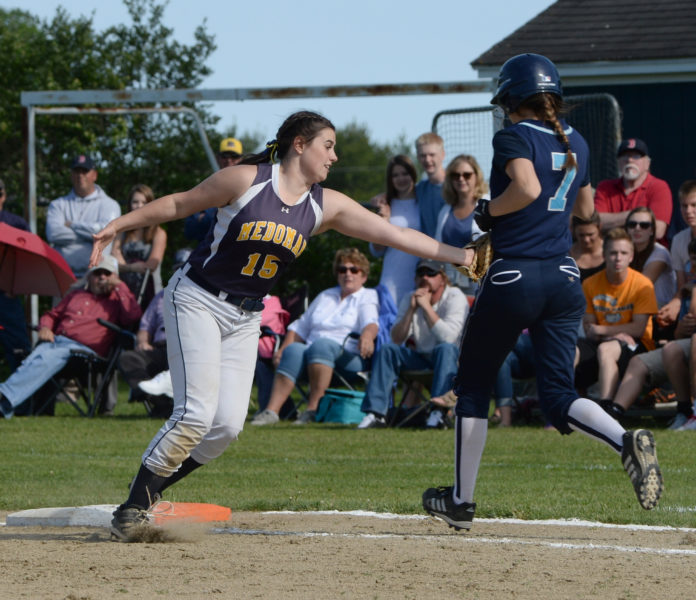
point(526, 472)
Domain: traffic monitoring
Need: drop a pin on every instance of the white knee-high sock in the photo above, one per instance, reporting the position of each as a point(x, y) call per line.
point(589, 418)
point(469, 441)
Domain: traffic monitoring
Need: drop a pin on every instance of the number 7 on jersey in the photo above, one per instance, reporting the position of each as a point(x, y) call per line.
point(558, 201)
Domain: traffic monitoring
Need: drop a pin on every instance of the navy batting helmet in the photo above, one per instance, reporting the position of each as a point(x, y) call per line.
point(523, 76)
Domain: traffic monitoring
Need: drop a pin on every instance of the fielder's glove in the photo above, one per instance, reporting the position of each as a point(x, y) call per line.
point(482, 215)
point(483, 254)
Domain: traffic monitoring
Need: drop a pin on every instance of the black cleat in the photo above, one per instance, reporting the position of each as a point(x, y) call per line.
point(639, 459)
point(439, 503)
point(126, 521)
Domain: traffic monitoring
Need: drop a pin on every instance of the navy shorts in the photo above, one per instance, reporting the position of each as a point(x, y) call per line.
point(544, 296)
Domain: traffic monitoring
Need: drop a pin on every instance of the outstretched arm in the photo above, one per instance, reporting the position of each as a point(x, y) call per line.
point(349, 218)
point(223, 187)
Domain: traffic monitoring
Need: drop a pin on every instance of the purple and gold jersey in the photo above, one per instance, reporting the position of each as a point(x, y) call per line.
point(541, 229)
point(253, 240)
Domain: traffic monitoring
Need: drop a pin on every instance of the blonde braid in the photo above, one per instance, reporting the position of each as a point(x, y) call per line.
point(552, 117)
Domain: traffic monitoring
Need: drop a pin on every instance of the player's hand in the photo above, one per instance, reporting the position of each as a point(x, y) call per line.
point(482, 215)
point(469, 253)
point(101, 241)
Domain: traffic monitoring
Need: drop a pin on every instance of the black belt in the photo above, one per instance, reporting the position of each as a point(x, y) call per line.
point(245, 303)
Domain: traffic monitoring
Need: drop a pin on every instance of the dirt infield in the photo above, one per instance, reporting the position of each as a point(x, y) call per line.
point(309, 555)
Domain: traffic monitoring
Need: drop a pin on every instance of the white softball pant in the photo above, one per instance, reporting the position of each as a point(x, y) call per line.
point(212, 348)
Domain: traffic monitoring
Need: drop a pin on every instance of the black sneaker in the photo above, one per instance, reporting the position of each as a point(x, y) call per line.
point(126, 520)
point(439, 503)
point(639, 459)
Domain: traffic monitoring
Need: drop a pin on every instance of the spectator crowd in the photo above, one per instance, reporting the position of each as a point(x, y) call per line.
point(637, 334)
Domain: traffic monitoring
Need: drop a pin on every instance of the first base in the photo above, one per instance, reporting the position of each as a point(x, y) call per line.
point(100, 515)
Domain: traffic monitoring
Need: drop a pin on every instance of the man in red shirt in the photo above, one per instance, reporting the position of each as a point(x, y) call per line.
point(615, 198)
point(72, 325)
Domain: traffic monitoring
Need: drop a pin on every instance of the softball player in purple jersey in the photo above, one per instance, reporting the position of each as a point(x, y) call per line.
point(538, 180)
point(266, 213)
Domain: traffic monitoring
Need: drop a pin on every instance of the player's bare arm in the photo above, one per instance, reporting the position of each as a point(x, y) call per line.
point(349, 218)
point(522, 190)
point(221, 188)
point(584, 203)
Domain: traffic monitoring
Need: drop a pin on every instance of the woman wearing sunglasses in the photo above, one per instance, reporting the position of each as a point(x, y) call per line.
point(651, 258)
point(463, 187)
point(314, 345)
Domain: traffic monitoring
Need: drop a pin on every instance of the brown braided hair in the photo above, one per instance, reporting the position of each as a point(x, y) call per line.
point(305, 124)
point(549, 106)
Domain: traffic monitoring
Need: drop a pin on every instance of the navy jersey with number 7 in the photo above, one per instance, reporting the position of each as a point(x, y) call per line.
point(541, 229)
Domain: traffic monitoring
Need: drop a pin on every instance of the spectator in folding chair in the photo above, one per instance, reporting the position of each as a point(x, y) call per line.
point(425, 336)
point(315, 342)
point(72, 325)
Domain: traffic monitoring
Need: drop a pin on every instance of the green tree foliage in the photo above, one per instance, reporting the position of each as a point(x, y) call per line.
point(165, 152)
point(68, 54)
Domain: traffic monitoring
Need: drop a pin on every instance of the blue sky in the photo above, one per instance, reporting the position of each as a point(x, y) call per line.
point(305, 42)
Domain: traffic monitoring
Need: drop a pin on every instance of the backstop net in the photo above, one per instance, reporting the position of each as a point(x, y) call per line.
point(596, 116)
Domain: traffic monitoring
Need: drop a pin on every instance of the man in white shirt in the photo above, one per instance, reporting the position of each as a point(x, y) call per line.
point(426, 335)
point(317, 342)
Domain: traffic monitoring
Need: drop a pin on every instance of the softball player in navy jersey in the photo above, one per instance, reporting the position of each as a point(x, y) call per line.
point(266, 215)
point(539, 178)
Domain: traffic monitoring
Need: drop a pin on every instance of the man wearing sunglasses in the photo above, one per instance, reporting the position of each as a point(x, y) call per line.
point(425, 336)
point(615, 198)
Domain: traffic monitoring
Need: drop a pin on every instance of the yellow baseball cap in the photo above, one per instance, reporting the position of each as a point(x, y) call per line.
point(232, 145)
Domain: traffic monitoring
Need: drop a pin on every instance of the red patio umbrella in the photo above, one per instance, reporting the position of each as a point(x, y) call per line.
point(28, 265)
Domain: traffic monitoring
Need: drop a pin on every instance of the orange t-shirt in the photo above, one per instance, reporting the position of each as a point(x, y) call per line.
point(616, 304)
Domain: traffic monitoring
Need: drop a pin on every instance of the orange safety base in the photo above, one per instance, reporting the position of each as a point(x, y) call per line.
point(193, 512)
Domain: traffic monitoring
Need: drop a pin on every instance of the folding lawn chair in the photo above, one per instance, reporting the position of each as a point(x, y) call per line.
point(91, 374)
